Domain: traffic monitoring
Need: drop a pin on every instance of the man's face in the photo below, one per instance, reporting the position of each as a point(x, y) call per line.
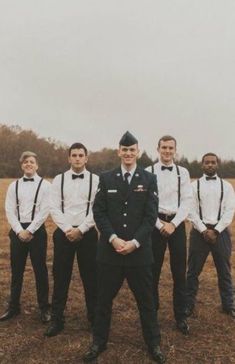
point(210, 165)
point(29, 166)
point(77, 159)
point(128, 155)
point(167, 150)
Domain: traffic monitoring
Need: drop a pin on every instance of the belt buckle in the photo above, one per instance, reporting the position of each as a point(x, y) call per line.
point(168, 218)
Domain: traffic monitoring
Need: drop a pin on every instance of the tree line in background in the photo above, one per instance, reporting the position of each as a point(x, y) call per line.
point(53, 156)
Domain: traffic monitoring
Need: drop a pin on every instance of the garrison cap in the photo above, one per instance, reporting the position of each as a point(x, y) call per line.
point(128, 139)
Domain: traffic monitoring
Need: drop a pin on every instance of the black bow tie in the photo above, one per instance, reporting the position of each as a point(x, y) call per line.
point(74, 176)
point(208, 178)
point(28, 179)
point(169, 168)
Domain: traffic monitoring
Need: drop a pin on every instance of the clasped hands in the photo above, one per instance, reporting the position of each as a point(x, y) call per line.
point(74, 234)
point(167, 229)
point(25, 236)
point(123, 247)
point(209, 236)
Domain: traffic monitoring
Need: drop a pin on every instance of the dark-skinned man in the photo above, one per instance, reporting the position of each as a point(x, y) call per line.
point(212, 212)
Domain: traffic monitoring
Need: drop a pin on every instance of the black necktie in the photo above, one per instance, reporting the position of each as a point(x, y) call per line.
point(165, 167)
point(208, 178)
point(28, 179)
point(126, 175)
point(74, 176)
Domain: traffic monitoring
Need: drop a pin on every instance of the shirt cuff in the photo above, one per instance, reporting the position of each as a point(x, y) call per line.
point(159, 224)
point(137, 244)
point(32, 231)
point(218, 228)
point(113, 236)
point(83, 228)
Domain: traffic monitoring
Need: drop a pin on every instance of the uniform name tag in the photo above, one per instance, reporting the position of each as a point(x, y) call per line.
point(112, 191)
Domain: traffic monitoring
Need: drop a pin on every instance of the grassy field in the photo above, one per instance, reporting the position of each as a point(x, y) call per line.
point(212, 338)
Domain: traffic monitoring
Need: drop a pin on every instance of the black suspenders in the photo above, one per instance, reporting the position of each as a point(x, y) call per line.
point(62, 192)
point(221, 199)
point(17, 200)
point(34, 202)
point(179, 181)
point(35, 199)
point(89, 194)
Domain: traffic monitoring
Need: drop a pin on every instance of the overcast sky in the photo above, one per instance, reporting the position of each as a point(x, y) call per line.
point(90, 70)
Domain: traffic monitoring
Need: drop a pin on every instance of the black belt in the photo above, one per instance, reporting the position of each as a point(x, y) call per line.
point(210, 226)
point(166, 217)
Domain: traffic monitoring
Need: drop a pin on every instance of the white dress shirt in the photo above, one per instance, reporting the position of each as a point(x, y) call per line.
point(76, 193)
point(131, 172)
point(210, 194)
point(167, 182)
point(26, 194)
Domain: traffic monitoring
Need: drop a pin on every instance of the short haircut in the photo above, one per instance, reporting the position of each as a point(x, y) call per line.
point(210, 154)
point(26, 155)
point(166, 138)
point(78, 146)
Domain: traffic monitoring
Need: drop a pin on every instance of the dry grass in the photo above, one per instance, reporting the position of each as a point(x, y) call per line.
point(212, 338)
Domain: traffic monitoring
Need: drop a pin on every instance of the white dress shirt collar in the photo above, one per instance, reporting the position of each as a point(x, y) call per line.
point(35, 176)
point(205, 175)
point(132, 171)
point(84, 171)
point(166, 165)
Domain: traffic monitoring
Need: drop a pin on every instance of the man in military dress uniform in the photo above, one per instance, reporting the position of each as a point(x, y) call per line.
point(125, 211)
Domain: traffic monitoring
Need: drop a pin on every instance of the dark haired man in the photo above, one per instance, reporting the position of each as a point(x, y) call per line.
point(125, 210)
point(211, 213)
point(27, 208)
point(174, 203)
point(72, 196)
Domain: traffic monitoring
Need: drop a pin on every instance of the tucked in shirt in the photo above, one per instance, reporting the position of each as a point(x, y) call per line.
point(210, 195)
point(167, 182)
point(76, 193)
point(26, 195)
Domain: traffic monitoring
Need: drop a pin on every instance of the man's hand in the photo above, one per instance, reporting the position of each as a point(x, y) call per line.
point(118, 244)
point(167, 229)
point(73, 234)
point(128, 248)
point(25, 236)
point(210, 236)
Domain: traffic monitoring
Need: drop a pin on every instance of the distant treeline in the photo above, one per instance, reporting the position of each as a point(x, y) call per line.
point(53, 156)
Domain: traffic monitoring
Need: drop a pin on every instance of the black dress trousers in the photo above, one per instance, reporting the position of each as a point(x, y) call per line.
point(64, 253)
point(177, 249)
point(37, 250)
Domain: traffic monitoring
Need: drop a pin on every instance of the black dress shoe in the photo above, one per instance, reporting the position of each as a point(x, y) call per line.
point(189, 310)
point(45, 316)
point(157, 355)
point(230, 312)
point(93, 352)
point(54, 329)
point(183, 327)
point(9, 314)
